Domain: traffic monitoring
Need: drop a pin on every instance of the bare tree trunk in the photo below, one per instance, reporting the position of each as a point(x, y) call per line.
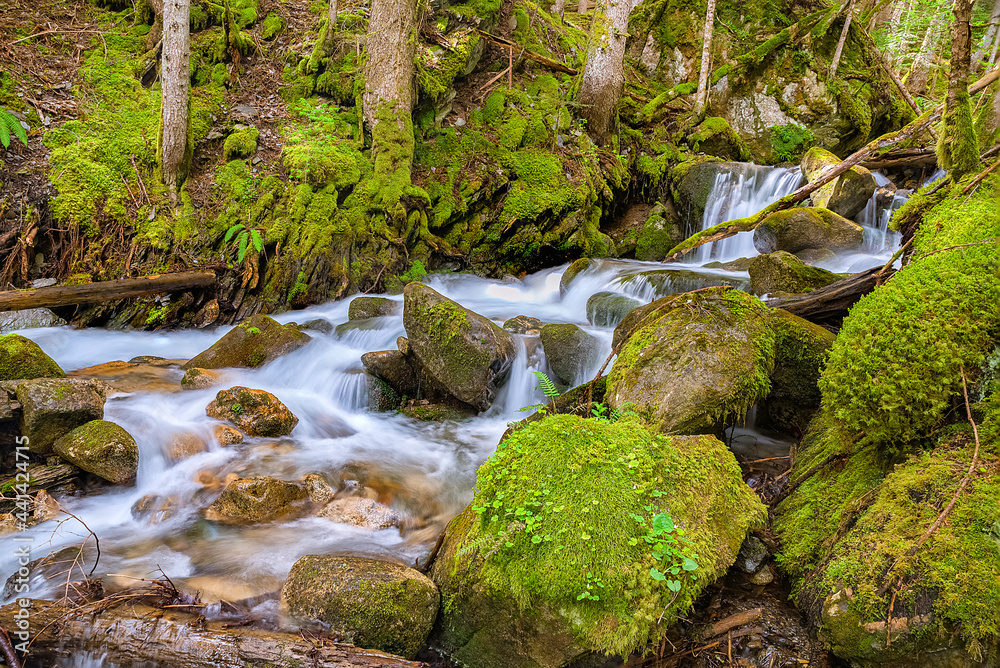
point(958, 148)
point(899, 31)
point(990, 39)
point(582, 6)
point(604, 74)
point(701, 99)
point(176, 76)
point(559, 8)
point(331, 26)
point(843, 38)
point(917, 79)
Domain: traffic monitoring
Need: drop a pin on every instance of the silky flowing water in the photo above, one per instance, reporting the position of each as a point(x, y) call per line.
point(426, 469)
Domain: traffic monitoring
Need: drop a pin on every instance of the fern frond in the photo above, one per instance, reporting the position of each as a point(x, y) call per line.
point(256, 240)
point(10, 123)
point(546, 385)
point(242, 240)
point(231, 231)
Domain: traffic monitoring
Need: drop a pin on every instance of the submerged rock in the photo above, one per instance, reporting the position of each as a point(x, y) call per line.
point(364, 513)
point(102, 448)
point(798, 229)
point(22, 358)
point(133, 376)
point(255, 412)
point(665, 282)
point(371, 307)
point(253, 343)
point(781, 271)
point(847, 194)
point(465, 353)
point(574, 270)
point(523, 324)
point(573, 577)
point(569, 350)
point(258, 499)
point(370, 603)
point(53, 407)
point(200, 379)
point(703, 360)
point(607, 309)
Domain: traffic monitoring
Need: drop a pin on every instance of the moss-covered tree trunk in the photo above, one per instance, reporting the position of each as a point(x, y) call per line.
point(958, 149)
point(604, 74)
point(331, 27)
point(701, 99)
point(176, 76)
point(843, 38)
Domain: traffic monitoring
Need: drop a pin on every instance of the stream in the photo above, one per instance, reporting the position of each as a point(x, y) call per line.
point(425, 469)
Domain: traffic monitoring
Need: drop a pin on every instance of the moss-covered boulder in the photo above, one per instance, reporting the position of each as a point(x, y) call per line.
point(253, 343)
point(691, 184)
point(715, 137)
point(523, 324)
point(259, 499)
point(662, 282)
point(607, 309)
point(570, 351)
point(464, 352)
point(800, 351)
point(240, 144)
point(559, 555)
point(102, 448)
point(662, 231)
point(847, 194)
point(371, 307)
point(370, 603)
point(795, 230)
point(696, 362)
point(20, 357)
point(255, 412)
point(51, 407)
point(781, 271)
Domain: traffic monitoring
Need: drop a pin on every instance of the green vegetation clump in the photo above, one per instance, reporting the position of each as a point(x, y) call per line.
point(240, 144)
point(22, 358)
point(790, 141)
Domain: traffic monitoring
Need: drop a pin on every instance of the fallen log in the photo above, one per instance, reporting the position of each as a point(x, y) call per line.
point(873, 148)
point(67, 295)
point(530, 55)
point(912, 157)
point(731, 622)
point(130, 634)
point(835, 300)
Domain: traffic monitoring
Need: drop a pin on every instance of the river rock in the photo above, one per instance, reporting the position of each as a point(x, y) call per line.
point(661, 232)
point(370, 603)
point(847, 194)
point(519, 597)
point(226, 435)
point(53, 407)
point(665, 282)
point(523, 324)
point(382, 397)
point(781, 271)
point(569, 350)
point(321, 325)
point(31, 318)
point(258, 499)
point(185, 445)
point(692, 182)
point(752, 556)
point(134, 376)
point(394, 368)
point(574, 270)
point(22, 358)
point(464, 352)
point(697, 362)
point(794, 230)
point(318, 489)
point(361, 512)
point(255, 412)
point(800, 352)
point(102, 448)
point(739, 264)
point(814, 256)
point(371, 307)
point(253, 343)
point(201, 379)
point(607, 309)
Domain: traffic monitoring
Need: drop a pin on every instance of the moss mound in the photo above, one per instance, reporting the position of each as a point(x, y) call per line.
point(22, 358)
point(253, 343)
point(572, 524)
point(102, 448)
point(781, 271)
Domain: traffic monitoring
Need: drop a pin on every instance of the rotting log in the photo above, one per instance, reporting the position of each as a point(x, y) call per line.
point(89, 293)
point(136, 633)
point(731, 622)
point(833, 301)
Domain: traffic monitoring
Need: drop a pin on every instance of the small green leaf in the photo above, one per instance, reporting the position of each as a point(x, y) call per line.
point(656, 575)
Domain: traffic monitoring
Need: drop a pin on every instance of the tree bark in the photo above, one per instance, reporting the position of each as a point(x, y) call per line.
point(604, 74)
point(176, 77)
point(919, 74)
point(559, 8)
point(331, 27)
point(958, 148)
point(701, 98)
point(990, 38)
point(582, 6)
point(843, 38)
point(90, 293)
point(137, 633)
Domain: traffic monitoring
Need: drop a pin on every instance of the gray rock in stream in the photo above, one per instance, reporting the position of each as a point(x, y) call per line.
point(569, 350)
point(52, 407)
point(607, 309)
point(31, 318)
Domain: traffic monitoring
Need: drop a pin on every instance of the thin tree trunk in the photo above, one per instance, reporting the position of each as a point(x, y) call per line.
point(958, 148)
point(916, 81)
point(559, 8)
point(701, 99)
point(604, 74)
point(331, 26)
point(582, 6)
point(899, 30)
point(176, 76)
point(990, 38)
point(843, 38)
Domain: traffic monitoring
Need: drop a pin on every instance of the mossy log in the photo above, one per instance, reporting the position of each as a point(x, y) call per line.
point(874, 148)
point(90, 293)
point(835, 300)
point(137, 633)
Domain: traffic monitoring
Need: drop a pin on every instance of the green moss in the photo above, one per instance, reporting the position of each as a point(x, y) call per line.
point(790, 141)
point(21, 357)
point(438, 67)
point(565, 506)
point(715, 137)
point(240, 144)
point(958, 147)
point(272, 26)
point(854, 102)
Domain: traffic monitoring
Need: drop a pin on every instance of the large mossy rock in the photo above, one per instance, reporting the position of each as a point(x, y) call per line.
point(102, 448)
point(692, 182)
point(607, 309)
point(51, 407)
point(550, 562)
point(259, 499)
point(570, 351)
point(781, 271)
point(800, 351)
point(22, 358)
point(256, 412)
point(370, 603)
point(661, 232)
point(847, 194)
point(802, 228)
point(696, 361)
point(253, 343)
point(371, 307)
point(662, 282)
point(466, 353)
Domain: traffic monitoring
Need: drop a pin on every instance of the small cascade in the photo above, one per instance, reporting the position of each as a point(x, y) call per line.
point(739, 193)
point(875, 218)
point(521, 388)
